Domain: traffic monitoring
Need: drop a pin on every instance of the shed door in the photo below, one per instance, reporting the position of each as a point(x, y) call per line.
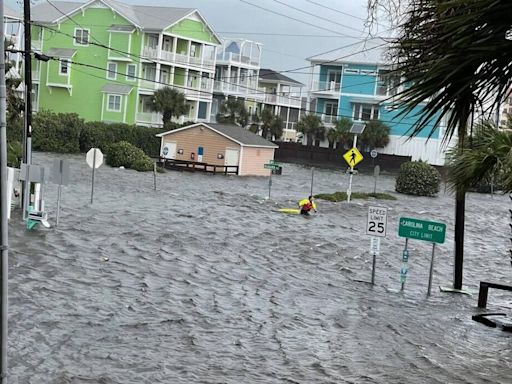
point(169, 150)
point(231, 157)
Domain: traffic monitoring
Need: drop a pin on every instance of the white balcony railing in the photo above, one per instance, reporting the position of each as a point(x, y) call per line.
point(289, 101)
point(152, 118)
point(181, 58)
point(237, 58)
point(326, 86)
point(328, 119)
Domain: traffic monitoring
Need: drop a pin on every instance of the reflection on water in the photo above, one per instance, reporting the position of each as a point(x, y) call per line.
point(203, 281)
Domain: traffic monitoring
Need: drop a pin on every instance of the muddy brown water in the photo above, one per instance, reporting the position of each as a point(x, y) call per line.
point(203, 281)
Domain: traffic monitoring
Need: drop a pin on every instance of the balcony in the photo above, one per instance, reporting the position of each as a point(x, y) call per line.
point(235, 58)
point(36, 45)
point(288, 101)
point(180, 58)
point(329, 88)
point(328, 119)
point(149, 118)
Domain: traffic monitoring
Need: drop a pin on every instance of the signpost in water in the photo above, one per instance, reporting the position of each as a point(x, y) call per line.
point(376, 227)
point(273, 166)
point(94, 159)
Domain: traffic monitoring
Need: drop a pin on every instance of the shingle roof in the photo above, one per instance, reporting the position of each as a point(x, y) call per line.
point(271, 75)
point(118, 89)
point(233, 132)
point(242, 135)
point(62, 52)
point(12, 13)
point(45, 13)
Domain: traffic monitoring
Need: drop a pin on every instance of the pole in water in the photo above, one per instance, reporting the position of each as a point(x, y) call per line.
point(58, 205)
point(269, 184)
point(154, 176)
point(312, 179)
point(349, 190)
point(373, 267)
point(403, 270)
point(93, 169)
point(431, 269)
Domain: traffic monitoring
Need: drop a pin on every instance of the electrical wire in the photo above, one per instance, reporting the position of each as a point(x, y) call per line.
point(335, 10)
point(318, 17)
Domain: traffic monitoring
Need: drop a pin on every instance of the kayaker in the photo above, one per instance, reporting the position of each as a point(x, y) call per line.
point(306, 205)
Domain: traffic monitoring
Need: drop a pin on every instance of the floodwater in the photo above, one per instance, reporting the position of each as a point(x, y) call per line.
point(203, 281)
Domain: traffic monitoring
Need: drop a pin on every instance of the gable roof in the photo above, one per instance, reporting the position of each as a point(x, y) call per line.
point(153, 18)
point(240, 135)
point(12, 14)
point(267, 74)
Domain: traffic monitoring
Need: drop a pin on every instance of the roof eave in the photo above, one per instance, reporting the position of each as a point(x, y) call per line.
point(217, 37)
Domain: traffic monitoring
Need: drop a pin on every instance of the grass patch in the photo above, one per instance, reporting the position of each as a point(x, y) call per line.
point(342, 196)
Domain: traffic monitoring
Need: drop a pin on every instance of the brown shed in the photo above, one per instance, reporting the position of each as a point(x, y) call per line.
point(220, 145)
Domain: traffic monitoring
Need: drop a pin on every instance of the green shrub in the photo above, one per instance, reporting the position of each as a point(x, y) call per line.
point(127, 155)
point(54, 132)
point(418, 178)
point(101, 135)
point(15, 130)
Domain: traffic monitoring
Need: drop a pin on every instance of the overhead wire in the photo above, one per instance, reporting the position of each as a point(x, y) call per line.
point(335, 10)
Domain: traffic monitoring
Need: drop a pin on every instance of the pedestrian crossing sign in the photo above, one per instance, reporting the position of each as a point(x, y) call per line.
point(353, 157)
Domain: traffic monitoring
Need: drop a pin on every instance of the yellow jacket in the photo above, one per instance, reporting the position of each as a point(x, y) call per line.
point(305, 201)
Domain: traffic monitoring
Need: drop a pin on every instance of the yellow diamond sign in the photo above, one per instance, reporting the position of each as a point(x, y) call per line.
point(353, 157)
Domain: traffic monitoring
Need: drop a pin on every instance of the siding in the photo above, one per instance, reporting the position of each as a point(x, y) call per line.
point(253, 160)
point(190, 139)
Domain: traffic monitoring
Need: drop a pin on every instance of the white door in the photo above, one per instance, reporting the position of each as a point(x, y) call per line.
point(231, 157)
point(169, 150)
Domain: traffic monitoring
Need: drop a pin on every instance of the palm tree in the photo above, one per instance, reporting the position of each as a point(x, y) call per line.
point(342, 128)
point(170, 103)
point(432, 41)
point(271, 125)
point(233, 111)
point(311, 126)
point(487, 158)
point(375, 135)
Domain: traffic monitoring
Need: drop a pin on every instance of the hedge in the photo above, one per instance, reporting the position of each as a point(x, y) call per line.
point(56, 132)
point(127, 155)
point(418, 178)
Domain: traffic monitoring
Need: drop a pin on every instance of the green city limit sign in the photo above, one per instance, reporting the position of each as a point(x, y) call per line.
point(422, 230)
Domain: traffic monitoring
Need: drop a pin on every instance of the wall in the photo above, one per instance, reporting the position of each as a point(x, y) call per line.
point(254, 159)
point(190, 139)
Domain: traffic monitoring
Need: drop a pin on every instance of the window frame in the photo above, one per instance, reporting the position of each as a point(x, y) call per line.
point(75, 37)
point(115, 95)
point(67, 66)
point(109, 71)
point(374, 111)
point(128, 78)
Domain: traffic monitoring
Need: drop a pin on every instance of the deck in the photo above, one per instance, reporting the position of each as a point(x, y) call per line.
point(197, 166)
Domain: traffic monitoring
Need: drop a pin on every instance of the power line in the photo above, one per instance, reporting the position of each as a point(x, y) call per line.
point(318, 17)
point(335, 10)
point(298, 20)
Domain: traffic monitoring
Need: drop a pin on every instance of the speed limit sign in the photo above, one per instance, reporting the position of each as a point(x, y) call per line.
point(377, 221)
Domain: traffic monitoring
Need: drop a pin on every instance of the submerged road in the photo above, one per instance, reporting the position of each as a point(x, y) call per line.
point(203, 281)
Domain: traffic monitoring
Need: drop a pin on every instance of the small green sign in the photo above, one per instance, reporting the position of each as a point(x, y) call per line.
point(273, 166)
point(422, 230)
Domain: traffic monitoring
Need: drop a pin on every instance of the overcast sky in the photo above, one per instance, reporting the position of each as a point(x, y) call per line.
point(286, 42)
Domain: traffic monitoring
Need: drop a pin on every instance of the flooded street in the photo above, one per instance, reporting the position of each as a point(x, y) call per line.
point(203, 281)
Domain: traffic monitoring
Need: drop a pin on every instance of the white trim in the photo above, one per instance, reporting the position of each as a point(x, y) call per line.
point(134, 75)
point(216, 131)
point(88, 36)
point(125, 108)
point(240, 158)
point(130, 44)
point(102, 107)
point(108, 70)
point(351, 71)
point(108, 102)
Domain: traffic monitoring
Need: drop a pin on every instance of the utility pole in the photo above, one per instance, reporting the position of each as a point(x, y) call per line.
point(27, 131)
point(4, 260)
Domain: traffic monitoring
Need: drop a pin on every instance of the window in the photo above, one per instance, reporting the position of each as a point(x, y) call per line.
point(111, 71)
point(130, 72)
point(387, 83)
point(331, 109)
point(114, 103)
point(81, 36)
point(351, 71)
point(64, 67)
point(365, 112)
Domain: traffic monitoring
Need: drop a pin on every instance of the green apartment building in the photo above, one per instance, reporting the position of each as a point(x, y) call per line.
point(108, 58)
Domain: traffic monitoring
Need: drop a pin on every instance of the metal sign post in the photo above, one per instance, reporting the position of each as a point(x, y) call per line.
point(376, 173)
point(431, 273)
point(269, 184)
point(353, 156)
point(405, 267)
point(154, 176)
point(272, 165)
point(94, 159)
point(60, 176)
point(312, 180)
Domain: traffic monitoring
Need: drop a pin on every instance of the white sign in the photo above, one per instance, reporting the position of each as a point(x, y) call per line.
point(92, 160)
point(373, 153)
point(375, 245)
point(377, 221)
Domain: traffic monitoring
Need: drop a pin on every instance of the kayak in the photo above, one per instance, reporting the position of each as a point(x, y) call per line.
point(291, 211)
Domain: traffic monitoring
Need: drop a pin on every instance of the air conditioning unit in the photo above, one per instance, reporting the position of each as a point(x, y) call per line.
point(167, 151)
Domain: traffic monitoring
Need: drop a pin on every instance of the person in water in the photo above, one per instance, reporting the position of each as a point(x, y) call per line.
point(306, 205)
